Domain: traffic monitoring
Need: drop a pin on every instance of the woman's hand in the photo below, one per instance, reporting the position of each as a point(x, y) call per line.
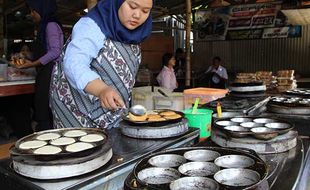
point(26, 64)
point(110, 99)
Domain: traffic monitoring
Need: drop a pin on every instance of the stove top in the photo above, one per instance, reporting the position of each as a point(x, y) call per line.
point(126, 151)
point(154, 132)
point(230, 103)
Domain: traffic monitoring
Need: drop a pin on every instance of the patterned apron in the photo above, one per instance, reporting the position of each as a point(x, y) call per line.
point(117, 64)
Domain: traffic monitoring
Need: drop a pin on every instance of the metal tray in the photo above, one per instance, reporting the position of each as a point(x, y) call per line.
point(300, 92)
point(288, 110)
point(239, 84)
point(154, 132)
point(154, 123)
point(259, 166)
point(261, 135)
point(15, 151)
point(293, 102)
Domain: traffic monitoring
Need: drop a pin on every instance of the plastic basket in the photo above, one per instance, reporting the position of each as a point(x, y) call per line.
point(201, 119)
point(204, 94)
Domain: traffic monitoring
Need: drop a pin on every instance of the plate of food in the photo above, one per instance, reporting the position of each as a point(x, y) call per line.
point(154, 117)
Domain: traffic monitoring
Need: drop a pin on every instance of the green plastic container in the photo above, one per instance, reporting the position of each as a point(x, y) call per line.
point(201, 119)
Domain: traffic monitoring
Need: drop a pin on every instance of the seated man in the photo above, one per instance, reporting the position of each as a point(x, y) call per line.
point(217, 74)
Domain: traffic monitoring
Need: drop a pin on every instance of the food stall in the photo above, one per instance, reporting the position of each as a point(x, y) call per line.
point(281, 155)
point(290, 157)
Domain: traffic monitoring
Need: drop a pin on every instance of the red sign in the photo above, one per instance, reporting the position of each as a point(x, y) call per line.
point(305, 2)
point(253, 16)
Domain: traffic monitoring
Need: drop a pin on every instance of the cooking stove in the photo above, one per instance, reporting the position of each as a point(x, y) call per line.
point(235, 104)
point(247, 90)
point(289, 106)
point(154, 132)
point(133, 182)
point(126, 151)
point(58, 169)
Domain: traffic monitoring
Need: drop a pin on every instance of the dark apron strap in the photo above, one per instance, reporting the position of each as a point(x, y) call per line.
point(42, 111)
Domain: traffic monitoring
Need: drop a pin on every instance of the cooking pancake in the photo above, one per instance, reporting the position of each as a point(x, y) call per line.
point(75, 133)
point(62, 141)
point(92, 138)
point(79, 146)
point(32, 144)
point(175, 116)
point(136, 118)
point(49, 149)
point(153, 116)
point(156, 119)
point(48, 136)
point(166, 113)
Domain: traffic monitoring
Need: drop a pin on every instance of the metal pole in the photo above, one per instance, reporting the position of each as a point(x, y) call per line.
point(187, 46)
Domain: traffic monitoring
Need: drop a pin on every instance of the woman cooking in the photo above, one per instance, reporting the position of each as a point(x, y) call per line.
point(93, 84)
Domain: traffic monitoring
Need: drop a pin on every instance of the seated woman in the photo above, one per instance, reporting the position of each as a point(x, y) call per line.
point(166, 78)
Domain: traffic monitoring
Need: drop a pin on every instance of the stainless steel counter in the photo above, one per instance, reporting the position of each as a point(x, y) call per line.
point(285, 169)
point(291, 165)
point(304, 180)
point(126, 152)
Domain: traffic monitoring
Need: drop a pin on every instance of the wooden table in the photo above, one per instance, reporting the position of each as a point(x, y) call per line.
point(12, 88)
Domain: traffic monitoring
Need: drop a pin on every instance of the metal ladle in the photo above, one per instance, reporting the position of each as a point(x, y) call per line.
point(137, 110)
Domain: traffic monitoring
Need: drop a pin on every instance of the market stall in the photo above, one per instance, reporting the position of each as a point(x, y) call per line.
point(267, 123)
point(291, 161)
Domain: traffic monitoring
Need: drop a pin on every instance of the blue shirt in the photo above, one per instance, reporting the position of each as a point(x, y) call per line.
point(87, 40)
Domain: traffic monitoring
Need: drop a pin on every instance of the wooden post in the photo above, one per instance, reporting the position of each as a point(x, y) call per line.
point(1, 31)
point(91, 4)
point(187, 46)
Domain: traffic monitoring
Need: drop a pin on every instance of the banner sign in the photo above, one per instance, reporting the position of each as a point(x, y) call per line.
point(275, 32)
point(242, 22)
point(244, 34)
point(252, 16)
point(265, 33)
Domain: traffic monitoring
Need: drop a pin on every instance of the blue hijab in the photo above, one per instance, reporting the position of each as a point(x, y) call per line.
point(105, 14)
point(47, 11)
